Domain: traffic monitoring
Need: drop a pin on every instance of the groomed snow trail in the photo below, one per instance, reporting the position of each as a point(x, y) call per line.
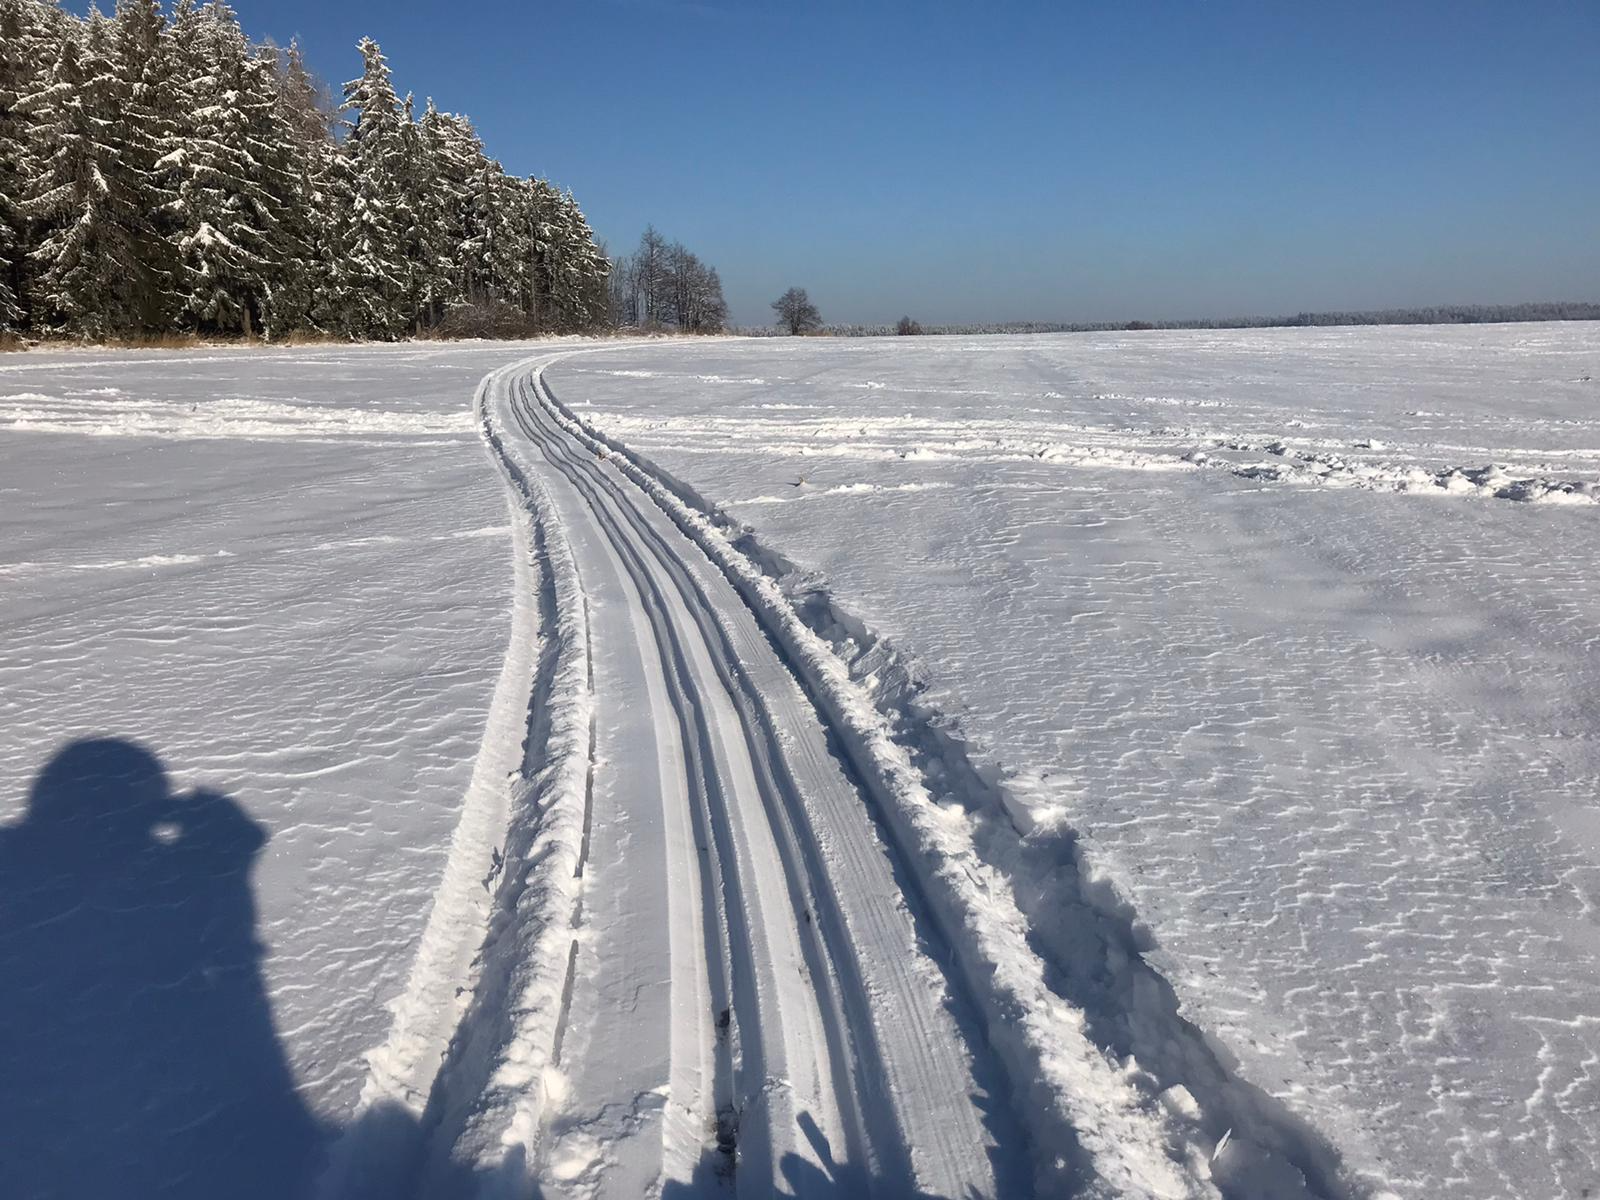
point(708, 927)
point(746, 977)
point(697, 967)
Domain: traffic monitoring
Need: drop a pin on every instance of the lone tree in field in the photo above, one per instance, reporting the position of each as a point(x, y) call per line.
point(795, 310)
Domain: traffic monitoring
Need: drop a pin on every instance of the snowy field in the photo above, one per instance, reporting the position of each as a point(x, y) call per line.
point(1296, 629)
point(285, 576)
point(379, 806)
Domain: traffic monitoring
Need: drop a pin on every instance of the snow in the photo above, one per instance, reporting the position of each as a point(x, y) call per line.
point(1072, 1095)
point(1332, 746)
point(286, 576)
point(1179, 747)
point(744, 972)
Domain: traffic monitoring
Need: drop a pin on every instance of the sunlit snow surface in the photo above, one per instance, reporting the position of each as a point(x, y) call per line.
point(286, 575)
point(1297, 628)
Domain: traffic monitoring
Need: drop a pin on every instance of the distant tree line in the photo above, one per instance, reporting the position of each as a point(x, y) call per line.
point(167, 174)
point(662, 285)
point(1447, 314)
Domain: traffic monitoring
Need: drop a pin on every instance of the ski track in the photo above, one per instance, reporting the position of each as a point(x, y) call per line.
point(705, 928)
point(767, 1039)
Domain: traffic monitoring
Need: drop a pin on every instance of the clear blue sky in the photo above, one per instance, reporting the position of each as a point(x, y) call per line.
point(1072, 160)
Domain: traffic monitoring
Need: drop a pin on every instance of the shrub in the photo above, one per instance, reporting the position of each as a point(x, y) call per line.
point(490, 319)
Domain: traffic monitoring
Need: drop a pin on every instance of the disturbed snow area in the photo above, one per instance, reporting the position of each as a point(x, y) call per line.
point(1294, 628)
point(283, 574)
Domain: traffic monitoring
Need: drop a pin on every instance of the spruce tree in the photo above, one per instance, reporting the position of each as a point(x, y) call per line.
point(19, 76)
point(147, 110)
point(302, 156)
point(160, 173)
point(230, 183)
point(460, 156)
point(443, 169)
point(576, 266)
point(372, 279)
point(415, 241)
point(479, 247)
point(91, 280)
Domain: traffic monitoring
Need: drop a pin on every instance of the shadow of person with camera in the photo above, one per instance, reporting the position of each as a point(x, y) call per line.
point(137, 1051)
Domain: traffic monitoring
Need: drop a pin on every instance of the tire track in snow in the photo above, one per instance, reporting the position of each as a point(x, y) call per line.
point(793, 1067)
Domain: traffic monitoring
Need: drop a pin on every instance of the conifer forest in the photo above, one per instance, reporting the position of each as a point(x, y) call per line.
point(161, 173)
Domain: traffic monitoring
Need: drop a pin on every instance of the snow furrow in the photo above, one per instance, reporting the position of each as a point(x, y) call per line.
point(407, 1082)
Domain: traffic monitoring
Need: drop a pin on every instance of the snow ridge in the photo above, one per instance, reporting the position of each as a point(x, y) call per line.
point(1100, 1059)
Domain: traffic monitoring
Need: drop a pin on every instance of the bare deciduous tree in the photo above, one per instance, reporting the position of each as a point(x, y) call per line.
point(796, 312)
point(664, 284)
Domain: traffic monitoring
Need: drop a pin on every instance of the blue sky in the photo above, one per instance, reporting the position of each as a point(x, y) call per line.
point(1106, 160)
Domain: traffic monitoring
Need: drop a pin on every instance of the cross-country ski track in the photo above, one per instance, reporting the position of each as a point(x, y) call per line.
point(705, 928)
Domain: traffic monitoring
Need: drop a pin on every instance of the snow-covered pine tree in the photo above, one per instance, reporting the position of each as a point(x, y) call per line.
point(339, 305)
point(513, 259)
point(570, 269)
point(141, 133)
point(162, 173)
point(417, 239)
point(371, 277)
point(497, 249)
point(185, 49)
point(588, 269)
point(447, 150)
point(89, 278)
point(227, 181)
point(478, 248)
point(20, 75)
point(538, 207)
point(275, 171)
point(302, 155)
point(305, 104)
point(462, 162)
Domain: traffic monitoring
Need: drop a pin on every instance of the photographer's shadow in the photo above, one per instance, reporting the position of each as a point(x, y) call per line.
point(137, 1051)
